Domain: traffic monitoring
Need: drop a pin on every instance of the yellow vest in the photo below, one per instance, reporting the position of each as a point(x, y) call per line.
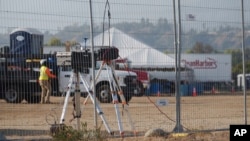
point(43, 75)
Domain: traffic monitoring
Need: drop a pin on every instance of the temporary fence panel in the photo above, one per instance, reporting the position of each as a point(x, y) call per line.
point(143, 32)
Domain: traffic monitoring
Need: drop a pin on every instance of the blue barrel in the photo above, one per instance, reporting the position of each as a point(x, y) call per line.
point(184, 90)
point(155, 88)
point(200, 88)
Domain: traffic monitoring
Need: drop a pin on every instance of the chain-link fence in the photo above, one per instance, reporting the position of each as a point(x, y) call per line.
point(211, 91)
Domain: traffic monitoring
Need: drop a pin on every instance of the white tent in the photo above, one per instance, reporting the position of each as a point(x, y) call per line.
point(157, 64)
point(150, 58)
point(114, 37)
point(140, 54)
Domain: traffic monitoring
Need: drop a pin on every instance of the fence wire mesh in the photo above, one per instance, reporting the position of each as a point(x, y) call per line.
point(211, 88)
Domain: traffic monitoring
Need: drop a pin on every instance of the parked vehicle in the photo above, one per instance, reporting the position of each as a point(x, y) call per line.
point(23, 56)
point(126, 79)
point(22, 81)
point(242, 83)
point(18, 83)
point(143, 77)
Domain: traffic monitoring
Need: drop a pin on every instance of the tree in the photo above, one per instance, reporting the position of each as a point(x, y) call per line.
point(201, 48)
point(237, 60)
point(54, 42)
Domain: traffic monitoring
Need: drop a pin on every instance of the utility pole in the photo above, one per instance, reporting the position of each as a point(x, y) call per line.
point(85, 41)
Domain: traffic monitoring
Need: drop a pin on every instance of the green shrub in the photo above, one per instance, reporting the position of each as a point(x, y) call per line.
point(68, 133)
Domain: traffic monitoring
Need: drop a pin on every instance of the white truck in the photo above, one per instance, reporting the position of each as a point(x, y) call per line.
point(127, 80)
point(240, 81)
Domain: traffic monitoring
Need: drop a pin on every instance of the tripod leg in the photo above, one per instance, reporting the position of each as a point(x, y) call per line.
point(130, 119)
point(125, 106)
point(120, 92)
point(97, 76)
point(98, 108)
point(77, 100)
point(66, 99)
point(115, 101)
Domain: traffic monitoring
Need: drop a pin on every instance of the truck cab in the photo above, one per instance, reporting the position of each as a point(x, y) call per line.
point(18, 83)
point(143, 77)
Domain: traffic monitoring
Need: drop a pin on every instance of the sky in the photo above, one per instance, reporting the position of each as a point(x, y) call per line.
point(54, 15)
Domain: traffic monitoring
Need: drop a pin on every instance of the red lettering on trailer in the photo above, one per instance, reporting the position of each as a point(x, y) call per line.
point(208, 63)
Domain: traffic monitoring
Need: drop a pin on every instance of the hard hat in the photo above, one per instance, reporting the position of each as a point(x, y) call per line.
point(42, 62)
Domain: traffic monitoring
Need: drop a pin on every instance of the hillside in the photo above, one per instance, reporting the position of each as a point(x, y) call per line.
point(159, 36)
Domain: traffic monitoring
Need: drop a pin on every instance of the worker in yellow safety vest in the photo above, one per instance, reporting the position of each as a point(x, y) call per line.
point(44, 81)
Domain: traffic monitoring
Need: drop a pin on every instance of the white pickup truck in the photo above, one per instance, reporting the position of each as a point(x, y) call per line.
point(126, 79)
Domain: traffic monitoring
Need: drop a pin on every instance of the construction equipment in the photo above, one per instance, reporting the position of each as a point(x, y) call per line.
point(76, 101)
point(126, 79)
point(115, 91)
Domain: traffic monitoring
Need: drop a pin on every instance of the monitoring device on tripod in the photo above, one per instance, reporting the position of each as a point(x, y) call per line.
point(81, 61)
point(107, 53)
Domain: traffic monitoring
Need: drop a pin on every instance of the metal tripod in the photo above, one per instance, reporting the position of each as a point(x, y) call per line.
point(76, 100)
point(115, 91)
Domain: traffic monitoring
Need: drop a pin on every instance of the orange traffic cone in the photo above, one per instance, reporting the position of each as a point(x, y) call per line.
point(158, 94)
point(194, 92)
